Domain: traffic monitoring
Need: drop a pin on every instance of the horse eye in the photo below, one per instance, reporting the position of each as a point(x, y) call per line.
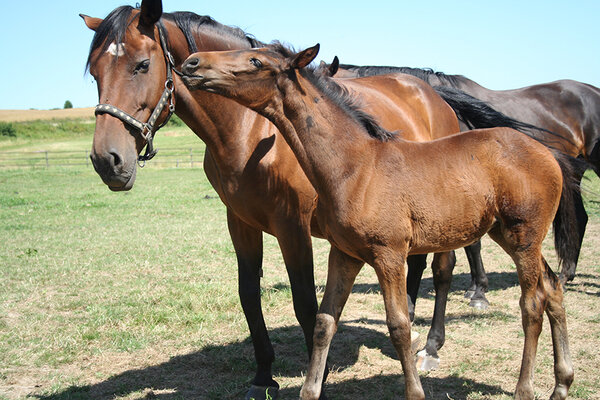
point(256, 62)
point(142, 67)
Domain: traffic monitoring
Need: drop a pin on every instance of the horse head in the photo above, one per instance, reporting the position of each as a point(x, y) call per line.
point(129, 62)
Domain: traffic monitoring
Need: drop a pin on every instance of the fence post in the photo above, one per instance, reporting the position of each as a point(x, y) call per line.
point(87, 158)
point(47, 164)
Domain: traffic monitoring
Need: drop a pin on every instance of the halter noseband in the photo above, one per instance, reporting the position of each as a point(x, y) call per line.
point(148, 129)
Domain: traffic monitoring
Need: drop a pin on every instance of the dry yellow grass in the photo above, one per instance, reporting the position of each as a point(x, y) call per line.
point(32, 115)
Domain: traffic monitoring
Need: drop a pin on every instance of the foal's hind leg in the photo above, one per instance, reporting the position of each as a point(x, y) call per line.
point(525, 250)
point(563, 366)
point(248, 245)
point(342, 271)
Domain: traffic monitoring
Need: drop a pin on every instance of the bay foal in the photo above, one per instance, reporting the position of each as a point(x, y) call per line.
point(381, 198)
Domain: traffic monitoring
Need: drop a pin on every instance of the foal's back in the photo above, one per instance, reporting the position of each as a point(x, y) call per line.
point(453, 189)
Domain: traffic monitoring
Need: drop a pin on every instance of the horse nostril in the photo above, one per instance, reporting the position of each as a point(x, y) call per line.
point(116, 158)
point(191, 65)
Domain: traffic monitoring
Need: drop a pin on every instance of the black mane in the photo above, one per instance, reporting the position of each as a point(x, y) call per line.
point(189, 22)
point(114, 26)
point(421, 73)
point(340, 96)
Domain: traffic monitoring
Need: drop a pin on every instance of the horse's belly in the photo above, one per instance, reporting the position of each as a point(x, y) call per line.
point(459, 229)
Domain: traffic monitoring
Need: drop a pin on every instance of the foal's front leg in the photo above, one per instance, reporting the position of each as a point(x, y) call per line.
point(391, 275)
point(341, 274)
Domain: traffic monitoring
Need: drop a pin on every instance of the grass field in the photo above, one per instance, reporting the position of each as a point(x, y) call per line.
point(134, 296)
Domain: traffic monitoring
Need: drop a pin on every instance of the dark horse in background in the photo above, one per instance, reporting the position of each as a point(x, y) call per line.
point(567, 111)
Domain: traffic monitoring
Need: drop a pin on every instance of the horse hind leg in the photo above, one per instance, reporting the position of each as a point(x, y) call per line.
point(479, 280)
point(524, 246)
point(443, 266)
point(532, 303)
point(563, 366)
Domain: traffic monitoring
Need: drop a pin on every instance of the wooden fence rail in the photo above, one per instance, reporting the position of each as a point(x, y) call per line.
point(189, 157)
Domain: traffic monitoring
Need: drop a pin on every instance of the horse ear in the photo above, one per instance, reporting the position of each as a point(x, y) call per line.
point(334, 66)
point(150, 12)
point(92, 23)
point(305, 57)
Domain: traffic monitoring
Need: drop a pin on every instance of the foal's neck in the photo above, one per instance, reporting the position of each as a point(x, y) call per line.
point(330, 145)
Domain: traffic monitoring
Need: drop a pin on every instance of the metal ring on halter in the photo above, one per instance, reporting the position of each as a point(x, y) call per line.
point(170, 85)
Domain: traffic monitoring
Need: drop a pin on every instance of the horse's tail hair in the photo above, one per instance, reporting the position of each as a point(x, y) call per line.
point(565, 225)
point(477, 114)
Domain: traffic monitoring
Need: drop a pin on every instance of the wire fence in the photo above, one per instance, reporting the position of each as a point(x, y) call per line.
point(189, 157)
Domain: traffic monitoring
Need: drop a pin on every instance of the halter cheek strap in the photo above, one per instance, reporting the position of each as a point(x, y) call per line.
point(148, 129)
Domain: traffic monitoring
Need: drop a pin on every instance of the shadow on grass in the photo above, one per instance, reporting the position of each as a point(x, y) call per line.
point(460, 283)
point(224, 372)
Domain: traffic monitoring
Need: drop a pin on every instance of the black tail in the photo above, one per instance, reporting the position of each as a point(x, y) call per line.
point(565, 225)
point(476, 114)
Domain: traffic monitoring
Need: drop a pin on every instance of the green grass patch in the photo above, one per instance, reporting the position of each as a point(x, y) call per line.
point(134, 295)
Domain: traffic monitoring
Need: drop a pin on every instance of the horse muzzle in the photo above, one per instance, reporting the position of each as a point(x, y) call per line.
point(116, 172)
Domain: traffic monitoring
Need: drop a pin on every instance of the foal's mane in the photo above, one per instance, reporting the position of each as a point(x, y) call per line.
point(421, 73)
point(340, 96)
point(114, 26)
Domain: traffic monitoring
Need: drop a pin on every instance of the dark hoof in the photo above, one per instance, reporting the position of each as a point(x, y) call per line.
point(427, 362)
point(262, 393)
point(479, 304)
point(469, 294)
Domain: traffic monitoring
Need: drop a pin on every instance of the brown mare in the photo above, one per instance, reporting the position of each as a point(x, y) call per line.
point(253, 170)
point(568, 111)
point(382, 197)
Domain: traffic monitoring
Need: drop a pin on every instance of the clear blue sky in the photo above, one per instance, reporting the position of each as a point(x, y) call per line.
point(500, 44)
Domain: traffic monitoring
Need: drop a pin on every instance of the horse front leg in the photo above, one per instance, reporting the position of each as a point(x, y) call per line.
point(342, 271)
point(248, 246)
point(479, 280)
point(442, 266)
point(390, 273)
point(416, 265)
point(296, 247)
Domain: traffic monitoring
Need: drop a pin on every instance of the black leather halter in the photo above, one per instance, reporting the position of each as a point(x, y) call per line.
point(148, 129)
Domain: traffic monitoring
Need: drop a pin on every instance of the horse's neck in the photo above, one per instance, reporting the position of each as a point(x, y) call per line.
point(326, 141)
point(231, 132)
